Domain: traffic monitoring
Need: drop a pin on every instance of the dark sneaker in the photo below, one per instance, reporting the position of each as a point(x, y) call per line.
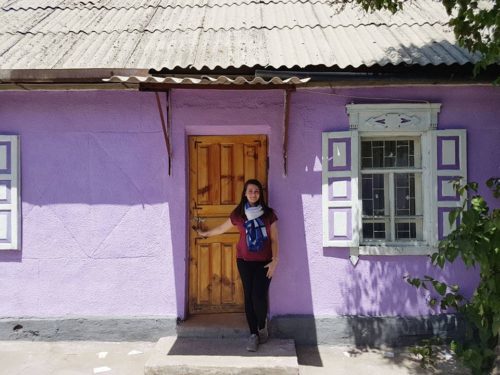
point(263, 335)
point(253, 343)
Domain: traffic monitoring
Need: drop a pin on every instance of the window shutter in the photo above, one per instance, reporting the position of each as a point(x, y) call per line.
point(341, 207)
point(449, 156)
point(9, 193)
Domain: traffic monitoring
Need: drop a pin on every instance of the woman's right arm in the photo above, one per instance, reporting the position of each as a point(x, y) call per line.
point(223, 228)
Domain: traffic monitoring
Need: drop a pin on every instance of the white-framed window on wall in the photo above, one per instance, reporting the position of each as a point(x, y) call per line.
point(10, 199)
point(387, 181)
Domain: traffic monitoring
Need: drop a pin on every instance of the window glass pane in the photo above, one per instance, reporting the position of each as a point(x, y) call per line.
point(367, 230)
point(405, 154)
point(378, 194)
point(367, 194)
point(373, 231)
point(404, 193)
point(406, 231)
point(373, 194)
point(378, 154)
point(387, 154)
point(379, 230)
point(366, 154)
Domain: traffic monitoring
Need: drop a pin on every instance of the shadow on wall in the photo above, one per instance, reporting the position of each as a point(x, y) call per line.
point(382, 308)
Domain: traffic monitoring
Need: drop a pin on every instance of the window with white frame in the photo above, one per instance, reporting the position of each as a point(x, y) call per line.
point(386, 181)
point(391, 190)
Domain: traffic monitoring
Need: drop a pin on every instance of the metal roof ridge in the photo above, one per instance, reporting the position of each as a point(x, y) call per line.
point(156, 30)
point(93, 6)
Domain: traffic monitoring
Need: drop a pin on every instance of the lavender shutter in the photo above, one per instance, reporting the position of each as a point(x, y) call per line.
point(9, 193)
point(340, 203)
point(450, 162)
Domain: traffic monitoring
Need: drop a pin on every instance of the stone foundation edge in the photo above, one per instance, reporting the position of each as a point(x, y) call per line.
point(304, 329)
point(87, 328)
point(366, 331)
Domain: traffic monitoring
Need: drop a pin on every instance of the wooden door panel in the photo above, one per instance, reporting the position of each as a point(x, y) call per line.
point(227, 280)
point(204, 277)
point(219, 166)
point(215, 274)
point(227, 188)
point(202, 156)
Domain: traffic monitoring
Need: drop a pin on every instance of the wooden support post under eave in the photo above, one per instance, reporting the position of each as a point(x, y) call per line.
point(166, 129)
point(286, 116)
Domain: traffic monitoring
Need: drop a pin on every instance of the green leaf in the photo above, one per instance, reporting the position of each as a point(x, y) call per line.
point(439, 287)
point(452, 217)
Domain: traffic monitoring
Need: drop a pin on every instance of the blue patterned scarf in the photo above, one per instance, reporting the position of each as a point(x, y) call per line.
point(255, 228)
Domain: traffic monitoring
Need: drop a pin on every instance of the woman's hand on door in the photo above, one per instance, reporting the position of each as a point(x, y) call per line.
point(223, 228)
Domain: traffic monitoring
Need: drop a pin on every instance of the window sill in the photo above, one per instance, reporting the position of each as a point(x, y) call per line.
point(393, 250)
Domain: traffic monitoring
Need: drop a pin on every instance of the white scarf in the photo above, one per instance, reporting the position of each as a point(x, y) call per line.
point(254, 212)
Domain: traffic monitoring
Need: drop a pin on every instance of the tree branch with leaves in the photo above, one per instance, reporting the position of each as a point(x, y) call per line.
point(476, 241)
point(476, 24)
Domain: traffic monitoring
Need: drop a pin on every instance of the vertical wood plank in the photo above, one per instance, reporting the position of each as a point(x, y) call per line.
point(227, 280)
point(239, 170)
point(204, 272)
point(213, 167)
point(250, 155)
point(215, 277)
point(261, 163)
point(202, 179)
point(227, 174)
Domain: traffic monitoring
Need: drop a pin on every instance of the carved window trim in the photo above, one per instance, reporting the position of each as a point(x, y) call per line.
point(399, 117)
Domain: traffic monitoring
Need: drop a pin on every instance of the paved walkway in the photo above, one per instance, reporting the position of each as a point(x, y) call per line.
point(128, 358)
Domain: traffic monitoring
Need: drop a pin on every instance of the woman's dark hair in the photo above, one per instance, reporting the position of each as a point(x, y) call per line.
point(240, 208)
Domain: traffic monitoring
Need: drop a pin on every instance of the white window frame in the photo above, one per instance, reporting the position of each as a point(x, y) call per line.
point(404, 247)
point(389, 195)
point(392, 121)
point(10, 197)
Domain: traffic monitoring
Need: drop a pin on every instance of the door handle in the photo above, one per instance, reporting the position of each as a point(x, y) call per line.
point(197, 220)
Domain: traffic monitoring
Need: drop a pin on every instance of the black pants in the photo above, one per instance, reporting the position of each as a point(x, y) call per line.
point(255, 288)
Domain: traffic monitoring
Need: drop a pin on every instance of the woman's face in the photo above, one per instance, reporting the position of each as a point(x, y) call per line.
point(253, 194)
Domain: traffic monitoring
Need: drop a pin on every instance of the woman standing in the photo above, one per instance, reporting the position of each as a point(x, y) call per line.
point(257, 255)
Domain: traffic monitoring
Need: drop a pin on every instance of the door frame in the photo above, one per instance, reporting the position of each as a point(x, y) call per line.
point(188, 135)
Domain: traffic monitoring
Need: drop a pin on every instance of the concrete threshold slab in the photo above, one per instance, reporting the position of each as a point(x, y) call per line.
point(174, 355)
point(231, 325)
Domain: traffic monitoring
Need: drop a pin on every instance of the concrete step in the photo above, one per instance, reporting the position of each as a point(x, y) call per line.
point(177, 355)
point(233, 325)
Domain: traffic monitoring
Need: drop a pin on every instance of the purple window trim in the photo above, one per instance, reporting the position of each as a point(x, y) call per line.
point(7, 183)
point(442, 197)
point(331, 143)
point(331, 233)
point(441, 217)
point(331, 180)
point(440, 164)
point(9, 232)
point(8, 169)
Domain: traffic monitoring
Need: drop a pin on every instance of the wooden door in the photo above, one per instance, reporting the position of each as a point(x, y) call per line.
point(218, 169)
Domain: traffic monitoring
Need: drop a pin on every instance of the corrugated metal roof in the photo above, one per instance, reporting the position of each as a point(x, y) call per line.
point(208, 80)
point(244, 16)
point(65, 34)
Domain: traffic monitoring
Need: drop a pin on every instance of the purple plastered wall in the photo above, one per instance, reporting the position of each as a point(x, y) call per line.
point(104, 226)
